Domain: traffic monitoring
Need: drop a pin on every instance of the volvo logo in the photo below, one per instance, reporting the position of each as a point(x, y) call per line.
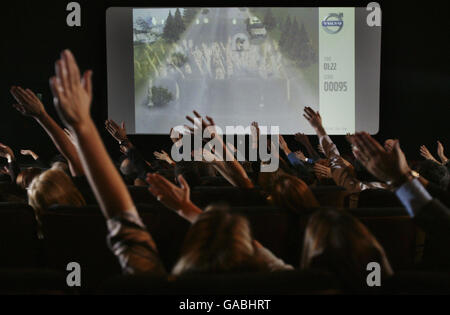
point(333, 23)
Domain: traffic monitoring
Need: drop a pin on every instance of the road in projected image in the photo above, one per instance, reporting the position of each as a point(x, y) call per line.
point(231, 71)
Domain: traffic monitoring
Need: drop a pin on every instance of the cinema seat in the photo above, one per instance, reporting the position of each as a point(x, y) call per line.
point(279, 230)
point(168, 230)
point(33, 281)
point(19, 246)
point(330, 196)
point(141, 195)
point(277, 283)
point(378, 198)
point(78, 235)
point(418, 282)
point(233, 196)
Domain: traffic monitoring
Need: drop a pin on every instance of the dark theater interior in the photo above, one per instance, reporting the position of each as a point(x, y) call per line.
point(224, 156)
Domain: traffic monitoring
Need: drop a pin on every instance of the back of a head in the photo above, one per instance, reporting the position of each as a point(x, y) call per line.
point(190, 172)
point(435, 173)
point(218, 242)
point(62, 166)
point(337, 242)
point(25, 177)
point(53, 187)
point(290, 192)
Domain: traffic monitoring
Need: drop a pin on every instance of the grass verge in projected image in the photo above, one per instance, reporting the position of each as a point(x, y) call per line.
point(155, 40)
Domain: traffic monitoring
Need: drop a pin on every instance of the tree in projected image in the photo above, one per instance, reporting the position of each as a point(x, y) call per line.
point(270, 21)
point(174, 27)
point(160, 96)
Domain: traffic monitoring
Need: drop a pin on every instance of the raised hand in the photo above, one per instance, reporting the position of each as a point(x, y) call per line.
point(284, 146)
point(322, 171)
point(255, 133)
point(386, 166)
point(314, 118)
point(30, 153)
point(72, 93)
point(28, 103)
point(172, 196)
point(6, 152)
point(425, 153)
point(303, 139)
point(199, 124)
point(300, 155)
point(164, 156)
point(117, 132)
point(441, 154)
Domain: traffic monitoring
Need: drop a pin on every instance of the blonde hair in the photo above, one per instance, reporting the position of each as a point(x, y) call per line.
point(218, 242)
point(53, 187)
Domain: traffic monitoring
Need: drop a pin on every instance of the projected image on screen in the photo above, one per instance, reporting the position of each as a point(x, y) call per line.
point(236, 64)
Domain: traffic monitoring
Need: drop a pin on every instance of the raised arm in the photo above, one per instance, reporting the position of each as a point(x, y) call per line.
point(228, 167)
point(392, 167)
point(425, 153)
point(304, 140)
point(13, 168)
point(441, 153)
point(73, 101)
point(173, 197)
point(315, 120)
point(30, 105)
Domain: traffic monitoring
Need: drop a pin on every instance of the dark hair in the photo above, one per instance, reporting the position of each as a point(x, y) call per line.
point(291, 193)
point(337, 242)
point(190, 172)
point(25, 177)
point(435, 173)
point(362, 173)
point(217, 242)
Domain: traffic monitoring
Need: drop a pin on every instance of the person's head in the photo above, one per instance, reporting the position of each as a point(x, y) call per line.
point(435, 173)
point(217, 242)
point(190, 172)
point(290, 192)
point(337, 242)
point(362, 173)
point(62, 166)
point(26, 176)
point(127, 168)
point(53, 187)
point(266, 180)
point(389, 144)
